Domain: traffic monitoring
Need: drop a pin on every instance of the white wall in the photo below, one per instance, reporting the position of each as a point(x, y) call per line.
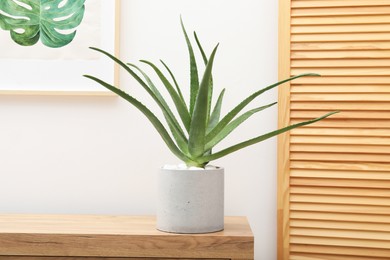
point(97, 155)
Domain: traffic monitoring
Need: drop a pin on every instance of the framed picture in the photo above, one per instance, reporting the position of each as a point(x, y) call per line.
point(44, 46)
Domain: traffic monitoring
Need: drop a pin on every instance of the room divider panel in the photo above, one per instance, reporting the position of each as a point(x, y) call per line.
point(334, 175)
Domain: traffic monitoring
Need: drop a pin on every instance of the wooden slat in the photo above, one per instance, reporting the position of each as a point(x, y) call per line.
point(373, 71)
point(309, 256)
point(348, 123)
point(335, 241)
point(377, 97)
point(339, 208)
point(381, 227)
point(340, 132)
point(342, 148)
point(351, 89)
point(337, 3)
point(347, 200)
point(345, 166)
point(358, 192)
point(357, 80)
point(336, 182)
point(340, 217)
point(357, 10)
point(299, 139)
point(284, 61)
point(314, 65)
point(342, 114)
point(340, 37)
point(359, 28)
point(339, 157)
point(342, 106)
point(368, 19)
point(338, 174)
point(353, 54)
point(337, 234)
point(349, 251)
point(346, 46)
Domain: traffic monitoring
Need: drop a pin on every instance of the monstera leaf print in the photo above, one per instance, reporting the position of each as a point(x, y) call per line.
point(54, 22)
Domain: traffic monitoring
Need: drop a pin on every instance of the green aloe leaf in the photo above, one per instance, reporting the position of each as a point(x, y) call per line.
point(216, 114)
point(174, 126)
point(214, 117)
point(210, 95)
point(180, 106)
point(258, 139)
point(175, 82)
point(194, 78)
point(32, 20)
point(234, 124)
point(221, 125)
point(152, 118)
point(155, 94)
point(200, 48)
point(196, 141)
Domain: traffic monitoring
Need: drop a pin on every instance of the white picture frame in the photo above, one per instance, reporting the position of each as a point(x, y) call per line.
point(59, 71)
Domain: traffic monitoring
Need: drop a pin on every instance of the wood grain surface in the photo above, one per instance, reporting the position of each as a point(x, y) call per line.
point(334, 175)
point(116, 236)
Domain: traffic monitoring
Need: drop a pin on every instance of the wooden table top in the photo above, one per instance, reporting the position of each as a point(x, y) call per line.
point(103, 224)
point(118, 236)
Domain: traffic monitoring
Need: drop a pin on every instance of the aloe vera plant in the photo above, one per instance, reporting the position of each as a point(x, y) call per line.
point(199, 126)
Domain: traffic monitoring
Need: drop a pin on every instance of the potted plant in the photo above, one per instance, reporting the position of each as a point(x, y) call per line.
point(191, 195)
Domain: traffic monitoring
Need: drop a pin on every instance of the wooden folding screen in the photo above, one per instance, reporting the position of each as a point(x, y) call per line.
point(334, 176)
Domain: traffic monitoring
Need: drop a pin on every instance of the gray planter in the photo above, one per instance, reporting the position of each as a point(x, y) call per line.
point(190, 201)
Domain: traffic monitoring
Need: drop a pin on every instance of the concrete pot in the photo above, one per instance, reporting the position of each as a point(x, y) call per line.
point(190, 201)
